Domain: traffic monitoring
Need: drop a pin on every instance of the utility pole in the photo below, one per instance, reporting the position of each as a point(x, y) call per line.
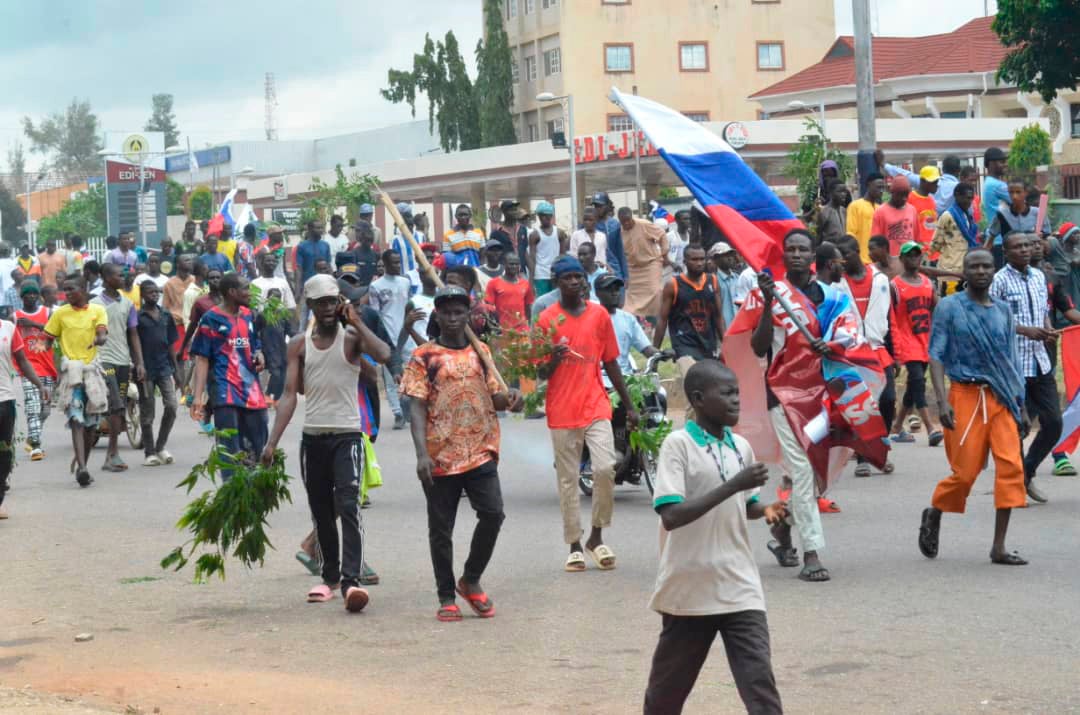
point(864, 91)
point(637, 165)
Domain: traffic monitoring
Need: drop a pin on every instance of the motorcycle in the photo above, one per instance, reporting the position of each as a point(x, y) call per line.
point(632, 466)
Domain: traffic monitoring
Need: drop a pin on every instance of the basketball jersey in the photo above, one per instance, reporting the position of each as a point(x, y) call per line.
point(911, 309)
point(693, 317)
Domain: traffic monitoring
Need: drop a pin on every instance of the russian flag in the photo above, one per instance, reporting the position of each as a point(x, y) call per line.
point(1070, 359)
point(752, 218)
point(658, 212)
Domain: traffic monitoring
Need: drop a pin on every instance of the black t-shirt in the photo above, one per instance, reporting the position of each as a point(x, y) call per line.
point(366, 260)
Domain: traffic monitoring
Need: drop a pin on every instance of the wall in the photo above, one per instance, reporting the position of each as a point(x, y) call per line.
point(50, 201)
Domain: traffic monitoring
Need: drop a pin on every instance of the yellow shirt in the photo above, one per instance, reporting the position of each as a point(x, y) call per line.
point(228, 248)
point(860, 216)
point(76, 329)
point(134, 295)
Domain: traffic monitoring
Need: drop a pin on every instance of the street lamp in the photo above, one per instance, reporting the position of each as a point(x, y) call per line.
point(567, 102)
point(799, 104)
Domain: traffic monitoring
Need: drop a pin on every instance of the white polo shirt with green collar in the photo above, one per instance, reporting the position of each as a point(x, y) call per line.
point(706, 567)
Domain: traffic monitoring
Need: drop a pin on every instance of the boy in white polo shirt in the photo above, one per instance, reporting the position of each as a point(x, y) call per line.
point(708, 583)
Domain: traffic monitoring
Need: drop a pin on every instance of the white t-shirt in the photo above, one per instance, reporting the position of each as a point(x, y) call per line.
point(425, 303)
point(338, 244)
point(265, 285)
point(746, 282)
point(389, 295)
point(676, 247)
point(7, 368)
point(160, 281)
point(706, 567)
point(598, 239)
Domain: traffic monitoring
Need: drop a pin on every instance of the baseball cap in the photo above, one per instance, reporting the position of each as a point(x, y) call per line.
point(494, 243)
point(929, 173)
point(720, 248)
point(349, 284)
point(600, 198)
point(321, 286)
point(909, 247)
point(274, 229)
point(404, 208)
point(994, 154)
point(608, 280)
point(566, 264)
point(544, 208)
point(507, 205)
point(366, 209)
point(451, 293)
point(1066, 230)
point(29, 286)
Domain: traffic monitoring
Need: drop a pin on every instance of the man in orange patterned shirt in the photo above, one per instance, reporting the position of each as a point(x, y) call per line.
point(456, 434)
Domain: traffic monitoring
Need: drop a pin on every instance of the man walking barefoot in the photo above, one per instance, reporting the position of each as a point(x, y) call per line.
point(973, 341)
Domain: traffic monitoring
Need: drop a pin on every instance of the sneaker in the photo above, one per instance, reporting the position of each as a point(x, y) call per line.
point(903, 437)
point(1036, 494)
point(152, 460)
point(165, 457)
point(399, 421)
point(36, 455)
point(1064, 468)
point(355, 599)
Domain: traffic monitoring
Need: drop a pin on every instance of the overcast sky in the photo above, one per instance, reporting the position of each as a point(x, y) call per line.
point(329, 58)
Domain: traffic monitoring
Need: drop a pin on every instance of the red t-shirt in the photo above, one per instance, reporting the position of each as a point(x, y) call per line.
point(860, 290)
point(911, 310)
point(576, 396)
point(509, 300)
point(37, 344)
point(897, 225)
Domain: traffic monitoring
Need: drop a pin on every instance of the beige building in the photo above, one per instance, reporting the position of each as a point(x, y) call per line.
point(703, 57)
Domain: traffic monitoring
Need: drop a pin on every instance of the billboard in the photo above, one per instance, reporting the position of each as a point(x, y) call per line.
point(135, 185)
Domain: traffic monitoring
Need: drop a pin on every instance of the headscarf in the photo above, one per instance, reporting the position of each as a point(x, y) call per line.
point(827, 164)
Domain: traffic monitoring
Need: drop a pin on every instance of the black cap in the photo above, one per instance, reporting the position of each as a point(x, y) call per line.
point(349, 285)
point(607, 281)
point(994, 154)
point(507, 205)
point(451, 293)
point(600, 198)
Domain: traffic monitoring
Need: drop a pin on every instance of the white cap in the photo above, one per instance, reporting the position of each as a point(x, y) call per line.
point(321, 286)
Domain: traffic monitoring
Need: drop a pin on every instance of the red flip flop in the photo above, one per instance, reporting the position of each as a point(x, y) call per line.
point(826, 505)
point(479, 602)
point(448, 613)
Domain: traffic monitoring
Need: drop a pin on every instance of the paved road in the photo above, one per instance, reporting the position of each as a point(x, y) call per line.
point(892, 633)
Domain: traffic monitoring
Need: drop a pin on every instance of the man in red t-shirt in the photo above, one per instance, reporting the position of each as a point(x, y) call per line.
point(511, 295)
point(38, 346)
point(896, 220)
point(579, 409)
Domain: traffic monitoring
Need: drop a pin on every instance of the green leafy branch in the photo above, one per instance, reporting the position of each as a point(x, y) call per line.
point(642, 437)
point(271, 308)
point(231, 517)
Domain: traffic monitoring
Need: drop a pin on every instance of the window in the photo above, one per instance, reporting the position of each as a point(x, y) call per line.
point(770, 55)
point(619, 123)
point(550, 4)
point(552, 62)
point(618, 58)
point(697, 116)
point(693, 57)
point(530, 6)
point(1074, 112)
point(511, 8)
point(530, 68)
point(515, 73)
point(534, 133)
point(555, 125)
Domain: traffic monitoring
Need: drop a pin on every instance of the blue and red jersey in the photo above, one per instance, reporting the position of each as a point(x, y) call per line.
point(230, 344)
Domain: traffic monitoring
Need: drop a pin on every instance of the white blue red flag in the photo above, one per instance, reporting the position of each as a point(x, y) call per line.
point(236, 215)
point(1070, 362)
point(659, 213)
point(749, 214)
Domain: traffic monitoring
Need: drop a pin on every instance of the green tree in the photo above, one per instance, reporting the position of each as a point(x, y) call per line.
point(200, 204)
point(70, 138)
point(806, 156)
point(439, 73)
point(174, 197)
point(162, 119)
point(16, 160)
point(84, 214)
point(1031, 148)
point(1045, 41)
point(494, 89)
point(13, 217)
point(347, 191)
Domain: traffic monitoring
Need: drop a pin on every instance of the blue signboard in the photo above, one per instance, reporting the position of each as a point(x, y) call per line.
point(204, 157)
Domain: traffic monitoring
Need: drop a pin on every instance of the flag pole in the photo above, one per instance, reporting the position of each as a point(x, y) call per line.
point(422, 260)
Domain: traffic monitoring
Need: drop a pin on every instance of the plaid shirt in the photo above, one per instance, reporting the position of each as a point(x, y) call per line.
point(1027, 298)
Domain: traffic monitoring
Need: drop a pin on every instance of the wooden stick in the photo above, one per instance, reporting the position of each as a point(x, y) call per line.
point(422, 260)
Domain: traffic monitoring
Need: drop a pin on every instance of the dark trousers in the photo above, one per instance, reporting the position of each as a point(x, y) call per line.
point(683, 647)
point(886, 403)
point(915, 394)
point(1042, 402)
point(274, 348)
point(481, 485)
point(332, 466)
point(7, 447)
point(250, 430)
point(167, 387)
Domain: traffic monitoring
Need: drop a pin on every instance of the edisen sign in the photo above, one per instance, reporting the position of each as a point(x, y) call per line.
point(613, 145)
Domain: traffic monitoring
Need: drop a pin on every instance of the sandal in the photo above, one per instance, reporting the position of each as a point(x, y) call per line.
point(600, 555)
point(889, 468)
point(575, 562)
point(786, 557)
point(936, 438)
point(928, 533)
point(448, 613)
point(355, 599)
point(320, 594)
point(814, 574)
point(309, 562)
point(862, 470)
point(825, 505)
point(479, 602)
point(1012, 558)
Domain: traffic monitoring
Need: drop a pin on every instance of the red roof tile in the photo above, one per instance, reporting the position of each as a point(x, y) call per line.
point(970, 48)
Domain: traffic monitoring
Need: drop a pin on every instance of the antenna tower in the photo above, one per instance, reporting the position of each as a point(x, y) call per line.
point(271, 105)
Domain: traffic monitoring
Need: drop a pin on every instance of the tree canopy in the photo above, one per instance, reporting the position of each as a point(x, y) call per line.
point(162, 119)
point(13, 218)
point(16, 160)
point(70, 138)
point(494, 80)
point(84, 214)
point(1045, 41)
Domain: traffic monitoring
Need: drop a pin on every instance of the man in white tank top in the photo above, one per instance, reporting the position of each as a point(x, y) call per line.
point(546, 243)
point(331, 450)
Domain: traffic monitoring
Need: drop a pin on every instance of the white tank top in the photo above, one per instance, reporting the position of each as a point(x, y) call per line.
point(331, 402)
point(547, 250)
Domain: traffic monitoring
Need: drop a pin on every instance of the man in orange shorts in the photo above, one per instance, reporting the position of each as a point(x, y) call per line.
point(973, 341)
